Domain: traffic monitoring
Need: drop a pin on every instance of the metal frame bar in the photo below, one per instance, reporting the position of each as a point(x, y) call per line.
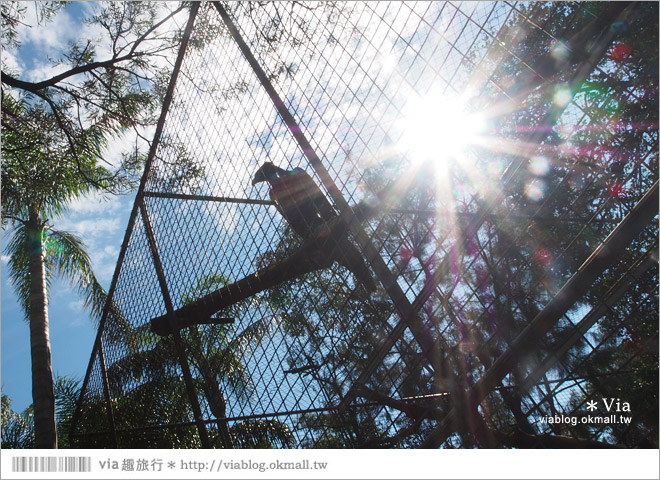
point(393, 211)
point(604, 255)
point(167, 101)
point(207, 198)
point(415, 309)
point(178, 342)
point(398, 297)
point(508, 176)
point(648, 260)
point(106, 393)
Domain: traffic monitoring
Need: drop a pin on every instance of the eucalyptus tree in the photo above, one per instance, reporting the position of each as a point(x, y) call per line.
point(493, 282)
point(113, 79)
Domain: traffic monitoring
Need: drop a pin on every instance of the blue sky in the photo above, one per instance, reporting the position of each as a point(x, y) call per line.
point(100, 222)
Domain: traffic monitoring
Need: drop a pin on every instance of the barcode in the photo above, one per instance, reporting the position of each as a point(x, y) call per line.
point(51, 464)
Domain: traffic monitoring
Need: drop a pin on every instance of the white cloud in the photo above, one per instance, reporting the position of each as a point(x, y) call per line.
point(44, 71)
point(94, 203)
point(100, 222)
point(51, 36)
point(12, 63)
point(4, 258)
point(97, 227)
point(104, 271)
point(76, 305)
point(126, 143)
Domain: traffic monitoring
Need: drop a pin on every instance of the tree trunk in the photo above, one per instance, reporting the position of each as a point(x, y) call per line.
point(43, 390)
point(211, 389)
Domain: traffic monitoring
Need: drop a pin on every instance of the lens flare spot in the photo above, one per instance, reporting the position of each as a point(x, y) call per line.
point(565, 131)
point(535, 190)
point(616, 190)
point(618, 27)
point(621, 51)
point(406, 253)
point(560, 51)
point(562, 97)
point(539, 165)
point(542, 256)
point(495, 167)
point(466, 346)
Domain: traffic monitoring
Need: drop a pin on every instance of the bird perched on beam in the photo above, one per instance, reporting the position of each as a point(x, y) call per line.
point(305, 208)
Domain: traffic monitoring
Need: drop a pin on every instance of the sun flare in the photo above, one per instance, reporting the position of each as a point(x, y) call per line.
point(439, 127)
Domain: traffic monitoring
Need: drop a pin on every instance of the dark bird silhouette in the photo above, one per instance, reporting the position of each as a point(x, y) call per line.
point(306, 209)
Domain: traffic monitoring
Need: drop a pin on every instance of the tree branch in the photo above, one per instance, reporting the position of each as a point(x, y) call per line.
point(35, 87)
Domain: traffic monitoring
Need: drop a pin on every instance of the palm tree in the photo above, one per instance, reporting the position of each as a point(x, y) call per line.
point(18, 428)
point(149, 389)
point(42, 172)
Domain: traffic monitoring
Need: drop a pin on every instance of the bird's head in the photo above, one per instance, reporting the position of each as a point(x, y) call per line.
point(266, 173)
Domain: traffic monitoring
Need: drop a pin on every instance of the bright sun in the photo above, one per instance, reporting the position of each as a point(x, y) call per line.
point(438, 127)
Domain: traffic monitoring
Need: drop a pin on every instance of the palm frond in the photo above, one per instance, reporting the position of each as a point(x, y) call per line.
point(16, 430)
point(66, 253)
point(19, 265)
point(67, 391)
point(263, 433)
point(251, 336)
point(140, 366)
point(228, 358)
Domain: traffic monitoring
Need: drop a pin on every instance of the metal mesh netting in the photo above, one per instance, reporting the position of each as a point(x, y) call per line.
point(491, 312)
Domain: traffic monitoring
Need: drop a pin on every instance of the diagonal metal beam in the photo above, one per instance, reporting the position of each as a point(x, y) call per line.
point(546, 68)
point(605, 255)
point(167, 101)
point(178, 342)
point(401, 302)
point(648, 260)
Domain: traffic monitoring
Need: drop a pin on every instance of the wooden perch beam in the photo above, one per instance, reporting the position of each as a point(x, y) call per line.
point(299, 263)
point(202, 309)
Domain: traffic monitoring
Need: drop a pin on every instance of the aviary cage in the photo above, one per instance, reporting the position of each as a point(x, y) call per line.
point(516, 272)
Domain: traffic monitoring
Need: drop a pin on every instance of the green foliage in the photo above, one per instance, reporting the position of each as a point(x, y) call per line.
point(41, 167)
point(496, 281)
point(17, 429)
point(265, 433)
point(64, 255)
point(147, 386)
point(54, 135)
point(601, 157)
point(13, 13)
point(94, 99)
point(67, 392)
point(334, 326)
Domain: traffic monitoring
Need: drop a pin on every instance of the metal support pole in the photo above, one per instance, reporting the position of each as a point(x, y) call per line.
point(167, 100)
point(178, 342)
point(648, 260)
point(477, 220)
point(106, 393)
point(401, 302)
point(607, 252)
point(207, 198)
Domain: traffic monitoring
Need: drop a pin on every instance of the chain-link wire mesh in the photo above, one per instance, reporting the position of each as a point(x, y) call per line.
point(405, 292)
